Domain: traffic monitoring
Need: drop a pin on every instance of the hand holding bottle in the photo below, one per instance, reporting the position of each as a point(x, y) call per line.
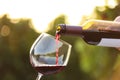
point(117, 19)
point(112, 28)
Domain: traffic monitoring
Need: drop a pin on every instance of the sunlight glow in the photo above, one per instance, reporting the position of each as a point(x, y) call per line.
point(42, 12)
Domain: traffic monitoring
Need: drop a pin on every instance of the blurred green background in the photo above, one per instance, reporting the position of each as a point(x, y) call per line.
point(86, 62)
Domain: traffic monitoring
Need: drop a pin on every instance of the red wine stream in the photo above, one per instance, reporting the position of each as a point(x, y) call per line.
point(57, 49)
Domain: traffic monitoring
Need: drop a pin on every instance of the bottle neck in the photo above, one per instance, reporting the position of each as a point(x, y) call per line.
point(64, 29)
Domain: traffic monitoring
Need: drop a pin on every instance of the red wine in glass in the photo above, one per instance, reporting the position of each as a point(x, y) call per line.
point(45, 70)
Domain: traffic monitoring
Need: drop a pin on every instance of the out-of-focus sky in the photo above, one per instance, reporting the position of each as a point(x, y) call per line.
point(42, 12)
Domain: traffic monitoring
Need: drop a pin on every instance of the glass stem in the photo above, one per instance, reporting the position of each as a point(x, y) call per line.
point(39, 76)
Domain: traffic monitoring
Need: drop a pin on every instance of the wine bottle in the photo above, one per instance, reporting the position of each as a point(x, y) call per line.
point(94, 32)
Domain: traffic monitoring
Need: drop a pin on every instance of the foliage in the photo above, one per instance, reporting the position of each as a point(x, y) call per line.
point(108, 13)
point(97, 61)
point(16, 38)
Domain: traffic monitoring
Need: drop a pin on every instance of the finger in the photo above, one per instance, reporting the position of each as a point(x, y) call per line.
point(117, 19)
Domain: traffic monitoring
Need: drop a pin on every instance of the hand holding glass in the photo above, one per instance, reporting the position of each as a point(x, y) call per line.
point(43, 55)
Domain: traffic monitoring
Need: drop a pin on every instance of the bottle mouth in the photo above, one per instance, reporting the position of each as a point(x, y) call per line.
point(61, 29)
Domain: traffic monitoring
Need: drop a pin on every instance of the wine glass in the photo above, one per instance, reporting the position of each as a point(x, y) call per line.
point(48, 55)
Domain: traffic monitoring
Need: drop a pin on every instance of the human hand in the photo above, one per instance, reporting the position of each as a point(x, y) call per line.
point(117, 19)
